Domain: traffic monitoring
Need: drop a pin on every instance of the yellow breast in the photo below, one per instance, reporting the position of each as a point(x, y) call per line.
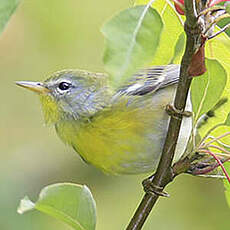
point(117, 140)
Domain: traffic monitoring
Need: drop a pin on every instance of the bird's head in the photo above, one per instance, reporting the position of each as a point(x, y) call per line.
point(70, 94)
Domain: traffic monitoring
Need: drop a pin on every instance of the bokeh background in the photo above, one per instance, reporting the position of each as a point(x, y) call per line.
point(48, 35)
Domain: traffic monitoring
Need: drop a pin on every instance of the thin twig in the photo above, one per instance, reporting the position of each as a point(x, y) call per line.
point(219, 148)
point(226, 155)
point(219, 162)
point(211, 9)
point(219, 32)
point(164, 173)
point(215, 139)
point(207, 169)
point(219, 142)
point(215, 22)
point(210, 130)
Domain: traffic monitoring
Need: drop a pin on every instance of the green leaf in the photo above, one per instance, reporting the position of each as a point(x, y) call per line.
point(7, 8)
point(227, 7)
point(226, 183)
point(219, 49)
point(207, 89)
point(70, 203)
point(227, 121)
point(172, 29)
point(179, 47)
point(223, 23)
point(131, 40)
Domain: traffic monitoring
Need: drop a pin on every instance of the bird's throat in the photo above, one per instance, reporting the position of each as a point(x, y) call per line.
point(50, 109)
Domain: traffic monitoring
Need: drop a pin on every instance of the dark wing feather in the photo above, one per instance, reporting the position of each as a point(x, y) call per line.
point(151, 79)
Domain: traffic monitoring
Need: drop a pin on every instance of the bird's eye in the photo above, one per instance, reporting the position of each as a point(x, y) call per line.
point(64, 85)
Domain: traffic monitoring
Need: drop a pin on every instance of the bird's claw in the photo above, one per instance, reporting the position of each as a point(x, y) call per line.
point(150, 188)
point(176, 113)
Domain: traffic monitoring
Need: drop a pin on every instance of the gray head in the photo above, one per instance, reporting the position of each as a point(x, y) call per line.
point(70, 94)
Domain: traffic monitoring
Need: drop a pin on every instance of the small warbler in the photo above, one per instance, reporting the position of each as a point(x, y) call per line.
point(119, 131)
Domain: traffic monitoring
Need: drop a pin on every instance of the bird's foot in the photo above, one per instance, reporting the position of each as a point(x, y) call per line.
point(176, 113)
point(151, 188)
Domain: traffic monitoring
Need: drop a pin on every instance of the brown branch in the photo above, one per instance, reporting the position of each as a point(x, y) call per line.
point(164, 173)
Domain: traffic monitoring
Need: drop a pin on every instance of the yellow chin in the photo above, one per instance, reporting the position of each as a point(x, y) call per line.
point(50, 109)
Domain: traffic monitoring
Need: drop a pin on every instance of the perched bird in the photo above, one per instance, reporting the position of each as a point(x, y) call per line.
point(120, 131)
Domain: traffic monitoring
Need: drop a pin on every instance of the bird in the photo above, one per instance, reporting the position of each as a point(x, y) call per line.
point(119, 130)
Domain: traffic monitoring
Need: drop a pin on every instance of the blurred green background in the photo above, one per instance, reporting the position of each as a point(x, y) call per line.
point(45, 36)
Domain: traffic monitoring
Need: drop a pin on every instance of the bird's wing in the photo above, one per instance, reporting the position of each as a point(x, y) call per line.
point(151, 79)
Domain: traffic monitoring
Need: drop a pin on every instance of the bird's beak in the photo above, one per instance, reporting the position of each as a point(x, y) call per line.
point(37, 87)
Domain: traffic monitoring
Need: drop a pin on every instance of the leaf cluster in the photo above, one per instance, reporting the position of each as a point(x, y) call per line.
point(143, 35)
